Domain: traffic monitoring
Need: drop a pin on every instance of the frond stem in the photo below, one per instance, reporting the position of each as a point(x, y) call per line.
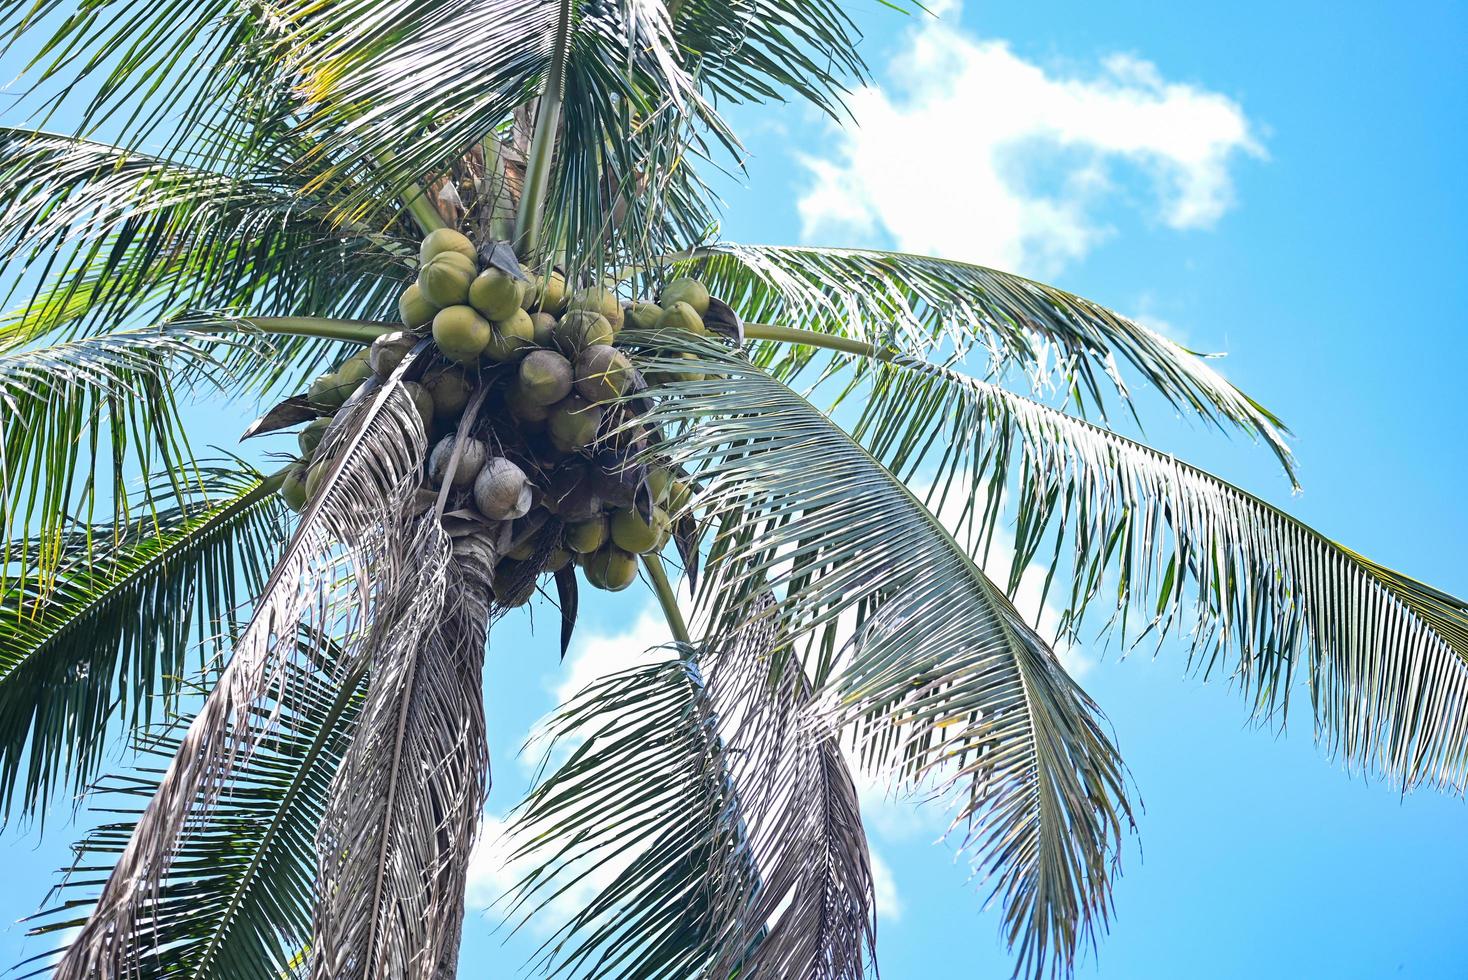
point(810, 338)
point(667, 598)
point(543, 143)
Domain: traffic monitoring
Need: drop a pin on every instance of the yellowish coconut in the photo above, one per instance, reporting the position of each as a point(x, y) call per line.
point(584, 537)
point(630, 532)
point(602, 373)
point(580, 329)
point(316, 477)
point(531, 293)
point(416, 311)
point(511, 337)
point(685, 290)
point(549, 295)
point(310, 437)
point(574, 423)
point(611, 568)
point(545, 377)
point(596, 299)
point(644, 316)
point(449, 390)
point(444, 279)
point(328, 391)
point(681, 316)
point(659, 480)
point(442, 240)
point(461, 333)
point(496, 294)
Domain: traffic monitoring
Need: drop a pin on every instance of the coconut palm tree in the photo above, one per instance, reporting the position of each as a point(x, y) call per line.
point(229, 197)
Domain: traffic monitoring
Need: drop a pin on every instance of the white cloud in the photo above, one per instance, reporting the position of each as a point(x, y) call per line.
point(976, 153)
point(889, 903)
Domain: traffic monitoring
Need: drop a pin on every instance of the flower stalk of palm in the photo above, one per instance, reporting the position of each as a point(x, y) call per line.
point(313, 811)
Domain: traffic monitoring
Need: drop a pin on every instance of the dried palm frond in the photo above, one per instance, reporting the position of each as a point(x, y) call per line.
point(347, 565)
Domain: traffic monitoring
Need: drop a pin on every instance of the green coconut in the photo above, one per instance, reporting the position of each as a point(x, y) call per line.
point(293, 488)
point(471, 461)
point(630, 532)
point(446, 240)
point(549, 293)
point(315, 476)
point(422, 401)
point(680, 495)
point(659, 479)
point(596, 299)
point(681, 316)
point(328, 391)
point(416, 311)
point(523, 407)
point(461, 333)
point(686, 290)
point(611, 568)
point(584, 537)
point(558, 559)
point(310, 437)
point(581, 329)
point(531, 293)
point(449, 390)
point(511, 337)
point(644, 316)
point(388, 351)
point(496, 294)
point(544, 326)
point(545, 377)
point(511, 585)
point(355, 369)
point(663, 376)
point(574, 424)
point(602, 373)
point(444, 279)
point(521, 550)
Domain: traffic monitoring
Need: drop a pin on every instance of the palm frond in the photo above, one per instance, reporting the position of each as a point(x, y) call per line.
point(99, 639)
point(646, 803)
point(1257, 588)
point(236, 901)
point(125, 236)
point(352, 565)
point(72, 405)
point(941, 682)
point(398, 830)
point(921, 306)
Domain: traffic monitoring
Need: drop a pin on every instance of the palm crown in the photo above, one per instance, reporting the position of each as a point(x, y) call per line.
point(240, 205)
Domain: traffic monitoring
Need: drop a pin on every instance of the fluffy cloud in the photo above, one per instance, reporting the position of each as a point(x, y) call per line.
point(976, 153)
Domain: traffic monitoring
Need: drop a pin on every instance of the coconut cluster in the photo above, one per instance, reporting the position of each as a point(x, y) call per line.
point(552, 465)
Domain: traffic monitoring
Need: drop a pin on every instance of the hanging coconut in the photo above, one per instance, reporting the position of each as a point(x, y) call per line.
point(461, 333)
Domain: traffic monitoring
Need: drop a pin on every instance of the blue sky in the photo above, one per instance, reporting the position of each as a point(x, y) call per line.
point(1281, 182)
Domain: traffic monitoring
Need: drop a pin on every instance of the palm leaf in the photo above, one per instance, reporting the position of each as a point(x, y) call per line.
point(941, 680)
point(114, 396)
point(1255, 587)
point(351, 564)
point(399, 826)
point(674, 852)
point(124, 235)
point(237, 899)
point(920, 306)
point(97, 640)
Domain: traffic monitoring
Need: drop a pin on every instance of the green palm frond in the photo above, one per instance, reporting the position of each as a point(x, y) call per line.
point(921, 306)
point(1255, 587)
point(237, 902)
point(85, 417)
point(673, 845)
point(734, 844)
point(124, 236)
point(938, 679)
point(98, 638)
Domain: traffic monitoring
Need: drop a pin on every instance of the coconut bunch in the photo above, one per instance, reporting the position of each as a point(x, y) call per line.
point(531, 406)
